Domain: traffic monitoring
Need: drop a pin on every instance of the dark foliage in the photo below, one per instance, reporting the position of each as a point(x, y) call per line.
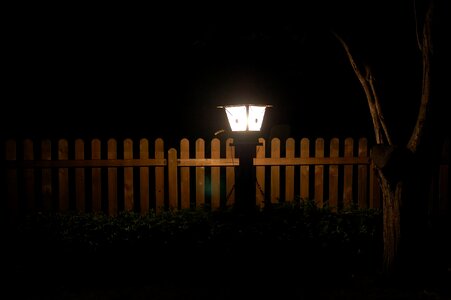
point(293, 239)
point(291, 247)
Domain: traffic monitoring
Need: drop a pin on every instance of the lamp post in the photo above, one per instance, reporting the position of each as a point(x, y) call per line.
point(245, 123)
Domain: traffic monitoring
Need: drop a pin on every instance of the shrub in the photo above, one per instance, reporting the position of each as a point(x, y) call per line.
point(299, 236)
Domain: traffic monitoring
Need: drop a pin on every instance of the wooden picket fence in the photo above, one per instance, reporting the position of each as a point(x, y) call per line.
point(110, 177)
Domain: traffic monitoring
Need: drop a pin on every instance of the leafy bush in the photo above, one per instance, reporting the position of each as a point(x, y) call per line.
point(299, 236)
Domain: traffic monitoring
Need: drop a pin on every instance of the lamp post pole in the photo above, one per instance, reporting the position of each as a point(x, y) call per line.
point(245, 145)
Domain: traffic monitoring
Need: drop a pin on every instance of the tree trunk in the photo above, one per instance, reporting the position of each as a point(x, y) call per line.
point(392, 198)
point(395, 163)
point(405, 181)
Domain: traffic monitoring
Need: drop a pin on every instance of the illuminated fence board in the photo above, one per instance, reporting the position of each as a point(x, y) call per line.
point(137, 175)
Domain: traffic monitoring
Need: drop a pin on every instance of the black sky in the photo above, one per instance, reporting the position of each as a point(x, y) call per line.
point(161, 71)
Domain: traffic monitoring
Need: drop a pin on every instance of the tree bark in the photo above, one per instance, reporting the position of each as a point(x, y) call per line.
point(392, 198)
point(393, 161)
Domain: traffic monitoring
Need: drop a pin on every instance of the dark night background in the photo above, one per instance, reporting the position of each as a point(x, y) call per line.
point(160, 71)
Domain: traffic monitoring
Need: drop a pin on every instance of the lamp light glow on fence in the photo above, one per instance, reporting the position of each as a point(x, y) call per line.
point(245, 117)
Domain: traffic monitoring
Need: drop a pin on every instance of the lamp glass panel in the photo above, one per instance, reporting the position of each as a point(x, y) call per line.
point(255, 120)
point(237, 117)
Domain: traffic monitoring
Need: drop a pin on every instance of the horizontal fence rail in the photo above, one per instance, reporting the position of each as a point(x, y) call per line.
point(110, 177)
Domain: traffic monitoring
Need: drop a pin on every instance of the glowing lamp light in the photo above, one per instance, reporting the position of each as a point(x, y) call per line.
point(246, 117)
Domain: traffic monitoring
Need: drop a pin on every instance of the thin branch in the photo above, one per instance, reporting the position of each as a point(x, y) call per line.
point(418, 130)
point(379, 109)
point(416, 24)
point(367, 90)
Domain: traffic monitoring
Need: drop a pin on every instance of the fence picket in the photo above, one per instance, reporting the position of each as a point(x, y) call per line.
point(80, 190)
point(319, 173)
point(305, 170)
point(128, 177)
point(46, 154)
point(333, 175)
point(29, 176)
point(185, 196)
point(230, 174)
point(362, 180)
point(215, 175)
point(96, 177)
point(260, 174)
point(275, 171)
point(112, 179)
point(289, 171)
point(63, 176)
point(144, 180)
point(347, 179)
point(200, 174)
point(159, 176)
